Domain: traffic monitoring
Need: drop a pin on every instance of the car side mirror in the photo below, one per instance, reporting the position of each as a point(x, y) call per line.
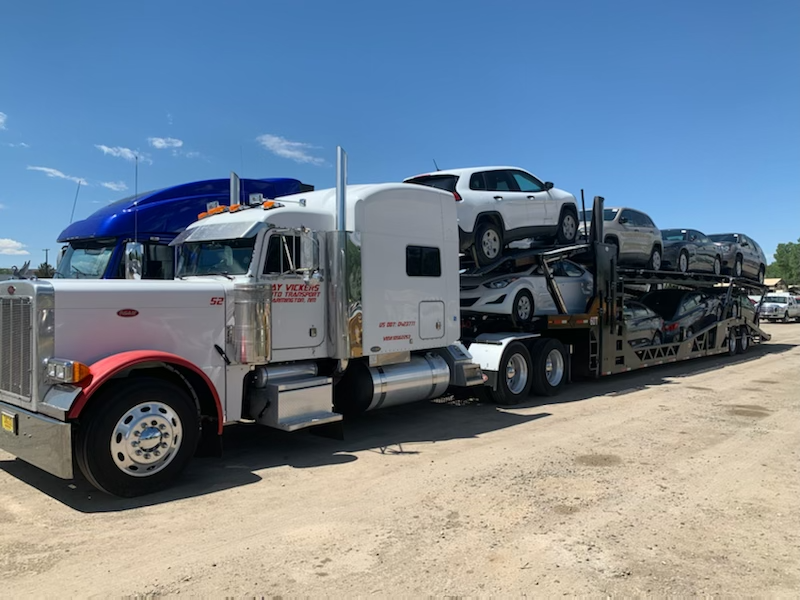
point(623, 220)
point(134, 253)
point(548, 185)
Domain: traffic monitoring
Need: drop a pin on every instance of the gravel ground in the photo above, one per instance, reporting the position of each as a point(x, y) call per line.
point(676, 480)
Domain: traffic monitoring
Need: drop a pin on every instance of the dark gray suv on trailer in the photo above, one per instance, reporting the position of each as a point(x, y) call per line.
point(741, 255)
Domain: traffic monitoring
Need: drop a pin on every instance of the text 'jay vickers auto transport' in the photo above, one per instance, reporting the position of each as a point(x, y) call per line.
point(293, 313)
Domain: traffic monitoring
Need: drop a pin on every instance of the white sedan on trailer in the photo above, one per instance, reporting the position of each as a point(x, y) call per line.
point(521, 293)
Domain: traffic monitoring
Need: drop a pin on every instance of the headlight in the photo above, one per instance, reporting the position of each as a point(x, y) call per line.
point(726, 248)
point(501, 283)
point(66, 371)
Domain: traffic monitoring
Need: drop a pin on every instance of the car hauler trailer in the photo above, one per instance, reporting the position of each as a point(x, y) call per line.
point(95, 247)
point(290, 314)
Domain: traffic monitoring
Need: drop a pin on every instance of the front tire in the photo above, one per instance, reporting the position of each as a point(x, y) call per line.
point(683, 262)
point(737, 267)
point(785, 317)
point(488, 243)
point(717, 265)
point(523, 309)
point(514, 377)
point(138, 437)
point(567, 228)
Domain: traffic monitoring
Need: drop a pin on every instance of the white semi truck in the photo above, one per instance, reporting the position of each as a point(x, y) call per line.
point(291, 313)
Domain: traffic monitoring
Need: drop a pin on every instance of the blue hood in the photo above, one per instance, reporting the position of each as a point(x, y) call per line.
point(170, 210)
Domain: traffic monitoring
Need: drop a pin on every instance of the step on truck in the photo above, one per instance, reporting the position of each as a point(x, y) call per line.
point(293, 314)
point(146, 223)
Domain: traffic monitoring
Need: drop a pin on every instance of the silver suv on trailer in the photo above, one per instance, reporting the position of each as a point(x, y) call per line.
point(636, 237)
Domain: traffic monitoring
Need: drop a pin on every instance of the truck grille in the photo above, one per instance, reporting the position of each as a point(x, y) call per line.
point(16, 333)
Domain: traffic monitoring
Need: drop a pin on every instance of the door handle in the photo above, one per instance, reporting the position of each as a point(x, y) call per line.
point(531, 197)
point(498, 197)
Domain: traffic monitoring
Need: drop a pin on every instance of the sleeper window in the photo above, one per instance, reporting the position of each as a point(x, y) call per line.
point(422, 261)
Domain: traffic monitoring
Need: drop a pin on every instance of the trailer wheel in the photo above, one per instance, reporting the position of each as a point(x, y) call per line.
point(138, 438)
point(514, 378)
point(549, 367)
point(744, 340)
point(733, 343)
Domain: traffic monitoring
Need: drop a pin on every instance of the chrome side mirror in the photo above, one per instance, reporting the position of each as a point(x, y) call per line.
point(134, 257)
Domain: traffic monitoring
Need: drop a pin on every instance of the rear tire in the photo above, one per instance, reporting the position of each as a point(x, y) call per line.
point(733, 343)
point(654, 264)
point(549, 367)
point(567, 228)
point(737, 267)
point(717, 265)
point(743, 342)
point(761, 273)
point(488, 243)
point(514, 377)
point(137, 437)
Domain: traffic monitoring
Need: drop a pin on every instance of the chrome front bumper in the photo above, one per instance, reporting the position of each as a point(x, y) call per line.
point(38, 440)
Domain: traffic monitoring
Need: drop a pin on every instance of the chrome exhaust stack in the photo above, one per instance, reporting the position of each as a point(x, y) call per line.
point(338, 310)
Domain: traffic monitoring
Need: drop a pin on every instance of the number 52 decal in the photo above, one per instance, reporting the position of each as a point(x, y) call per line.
point(217, 301)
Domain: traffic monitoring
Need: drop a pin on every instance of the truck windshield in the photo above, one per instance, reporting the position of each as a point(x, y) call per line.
point(217, 257)
point(86, 259)
point(777, 299)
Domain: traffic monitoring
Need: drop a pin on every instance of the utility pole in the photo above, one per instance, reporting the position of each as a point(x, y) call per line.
point(46, 256)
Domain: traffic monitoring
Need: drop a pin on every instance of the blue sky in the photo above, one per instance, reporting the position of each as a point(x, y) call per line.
point(687, 110)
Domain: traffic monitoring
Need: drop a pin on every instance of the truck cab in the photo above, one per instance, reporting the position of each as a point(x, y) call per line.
point(95, 246)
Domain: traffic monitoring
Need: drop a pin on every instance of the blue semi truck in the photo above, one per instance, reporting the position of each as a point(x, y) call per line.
point(95, 247)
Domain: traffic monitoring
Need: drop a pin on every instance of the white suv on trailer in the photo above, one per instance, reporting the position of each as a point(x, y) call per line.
point(498, 205)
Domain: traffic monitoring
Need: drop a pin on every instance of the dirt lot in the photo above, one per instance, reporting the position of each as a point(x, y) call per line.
point(677, 480)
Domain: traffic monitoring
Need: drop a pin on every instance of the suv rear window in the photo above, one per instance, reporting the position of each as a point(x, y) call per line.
point(443, 182)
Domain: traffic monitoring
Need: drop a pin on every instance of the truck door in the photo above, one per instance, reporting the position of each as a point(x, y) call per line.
point(298, 300)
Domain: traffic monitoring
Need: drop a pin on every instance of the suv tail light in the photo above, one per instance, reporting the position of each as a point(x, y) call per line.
point(671, 327)
point(457, 196)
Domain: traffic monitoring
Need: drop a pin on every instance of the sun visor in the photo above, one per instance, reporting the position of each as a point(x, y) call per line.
point(219, 231)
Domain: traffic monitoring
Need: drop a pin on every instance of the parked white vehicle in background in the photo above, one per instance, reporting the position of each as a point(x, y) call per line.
point(779, 307)
point(634, 233)
point(498, 205)
point(522, 293)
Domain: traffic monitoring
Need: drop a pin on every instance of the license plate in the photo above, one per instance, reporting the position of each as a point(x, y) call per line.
point(9, 423)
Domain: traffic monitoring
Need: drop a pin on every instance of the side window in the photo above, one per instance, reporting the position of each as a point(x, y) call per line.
point(690, 303)
point(476, 182)
point(283, 254)
point(646, 221)
point(694, 236)
point(422, 261)
point(743, 240)
point(628, 217)
point(159, 262)
point(570, 269)
point(500, 181)
point(527, 183)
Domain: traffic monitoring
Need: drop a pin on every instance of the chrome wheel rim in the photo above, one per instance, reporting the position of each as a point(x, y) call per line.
point(683, 263)
point(737, 269)
point(731, 342)
point(745, 341)
point(516, 374)
point(146, 439)
point(717, 266)
point(523, 308)
point(490, 242)
point(554, 367)
point(656, 260)
point(569, 227)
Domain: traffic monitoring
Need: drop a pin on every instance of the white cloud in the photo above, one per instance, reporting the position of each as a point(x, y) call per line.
point(2, 206)
point(284, 148)
point(59, 175)
point(12, 247)
point(116, 186)
point(3, 117)
point(121, 152)
point(20, 145)
point(163, 143)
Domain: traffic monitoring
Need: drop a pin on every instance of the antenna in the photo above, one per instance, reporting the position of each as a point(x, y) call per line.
point(75, 202)
point(136, 201)
point(435, 165)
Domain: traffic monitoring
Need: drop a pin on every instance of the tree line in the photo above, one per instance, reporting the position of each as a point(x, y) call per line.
point(787, 263)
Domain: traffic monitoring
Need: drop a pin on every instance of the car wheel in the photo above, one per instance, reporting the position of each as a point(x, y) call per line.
point(683, 262)
point(488, 243)
point(655, 259)
point(733, 343)
point(549, 367)
point(761, 273)
point(567, 228)
point(785, 317)
point(137, 437)
point(514, 378)
point(717, 266)
point(688, 333)
point(657, 339)
point(737, 267)
point(522, 310)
